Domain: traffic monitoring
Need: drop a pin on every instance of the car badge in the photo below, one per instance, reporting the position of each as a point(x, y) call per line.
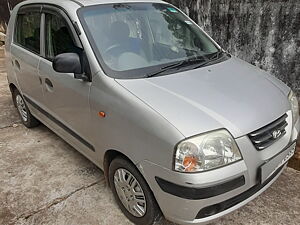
point(276, 133)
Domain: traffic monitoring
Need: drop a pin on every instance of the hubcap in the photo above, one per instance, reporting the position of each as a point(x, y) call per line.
point(130, 192)
point(21, 107)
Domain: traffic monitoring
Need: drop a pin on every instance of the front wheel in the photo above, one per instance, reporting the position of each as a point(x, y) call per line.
point(132, 193)
point(27, 118)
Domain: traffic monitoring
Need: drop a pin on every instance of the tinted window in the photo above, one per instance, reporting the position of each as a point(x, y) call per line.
point(28, 31)
point(58, 36)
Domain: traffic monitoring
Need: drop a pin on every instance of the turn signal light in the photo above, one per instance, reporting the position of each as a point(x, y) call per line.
point(101, 114)
point(189, 163)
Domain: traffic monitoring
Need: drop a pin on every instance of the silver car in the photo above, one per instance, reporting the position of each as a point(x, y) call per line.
point(181, 128)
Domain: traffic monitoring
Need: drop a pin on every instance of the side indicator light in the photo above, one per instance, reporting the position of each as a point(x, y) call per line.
point(101, 114)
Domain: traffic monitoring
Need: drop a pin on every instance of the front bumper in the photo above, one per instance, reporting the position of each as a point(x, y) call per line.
point(202, 197)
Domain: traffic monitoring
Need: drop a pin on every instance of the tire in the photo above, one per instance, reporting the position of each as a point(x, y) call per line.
point(152, 214)
point(26, 117)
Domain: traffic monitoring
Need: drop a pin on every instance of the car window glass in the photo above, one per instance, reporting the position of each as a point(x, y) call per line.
point(58, 36)
point(134, 39)
point(28, 31)
point(168, 31)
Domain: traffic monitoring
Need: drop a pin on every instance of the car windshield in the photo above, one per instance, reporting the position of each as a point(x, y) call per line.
point(135, 39)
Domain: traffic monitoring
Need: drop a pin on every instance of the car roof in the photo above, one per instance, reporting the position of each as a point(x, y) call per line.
point(97, 2)
point(85, 2)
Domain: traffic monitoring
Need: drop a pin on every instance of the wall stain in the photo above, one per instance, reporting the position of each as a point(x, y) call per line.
point(265, 33)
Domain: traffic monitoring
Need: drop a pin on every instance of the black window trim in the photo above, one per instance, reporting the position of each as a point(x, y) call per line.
point(58, 10)
point(42, 8)
point(55, 10)
point(23, 10)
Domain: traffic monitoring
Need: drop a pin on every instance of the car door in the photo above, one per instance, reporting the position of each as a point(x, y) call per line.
point(66, 98)
point(25, 51)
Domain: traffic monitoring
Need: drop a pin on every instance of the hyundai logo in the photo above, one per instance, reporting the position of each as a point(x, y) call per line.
point(276, 133)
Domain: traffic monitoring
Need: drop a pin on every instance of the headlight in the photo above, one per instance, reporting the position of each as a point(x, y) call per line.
point(206, 151)
point(294, 106)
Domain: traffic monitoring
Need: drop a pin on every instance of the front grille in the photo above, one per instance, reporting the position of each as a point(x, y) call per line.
point(267, 135)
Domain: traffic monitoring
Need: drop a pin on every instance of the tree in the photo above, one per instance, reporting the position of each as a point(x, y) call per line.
point(4, 12)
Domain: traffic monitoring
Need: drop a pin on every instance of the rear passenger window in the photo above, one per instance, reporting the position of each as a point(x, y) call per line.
point(27, 33)
point(58, 36)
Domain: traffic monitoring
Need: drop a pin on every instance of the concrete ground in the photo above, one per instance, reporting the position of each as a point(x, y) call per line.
point(43, 180)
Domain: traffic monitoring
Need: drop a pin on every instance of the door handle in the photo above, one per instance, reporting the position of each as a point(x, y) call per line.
point(17, 64)
point(48, 83)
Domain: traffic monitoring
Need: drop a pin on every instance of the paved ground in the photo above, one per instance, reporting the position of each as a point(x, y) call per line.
point(43, 180)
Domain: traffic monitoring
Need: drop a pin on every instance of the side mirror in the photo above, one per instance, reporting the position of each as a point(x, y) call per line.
point(67, 63)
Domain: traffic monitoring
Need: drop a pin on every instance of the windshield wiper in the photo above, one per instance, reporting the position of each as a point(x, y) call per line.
point(165, 68)
point(186, 62)
point(216, 56)
point(203, 60)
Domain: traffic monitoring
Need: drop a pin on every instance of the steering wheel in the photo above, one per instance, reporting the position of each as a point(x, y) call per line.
point(111, 48)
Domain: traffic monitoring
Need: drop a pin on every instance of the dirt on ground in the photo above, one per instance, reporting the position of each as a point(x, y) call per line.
point(43, 180)
point(295, 161)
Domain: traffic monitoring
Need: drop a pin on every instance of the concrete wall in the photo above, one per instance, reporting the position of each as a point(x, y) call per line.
point(263, 32)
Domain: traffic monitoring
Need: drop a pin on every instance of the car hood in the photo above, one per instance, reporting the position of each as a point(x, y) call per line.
point(232, 94)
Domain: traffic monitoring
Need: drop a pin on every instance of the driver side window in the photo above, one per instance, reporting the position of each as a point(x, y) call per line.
point(59, 38)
